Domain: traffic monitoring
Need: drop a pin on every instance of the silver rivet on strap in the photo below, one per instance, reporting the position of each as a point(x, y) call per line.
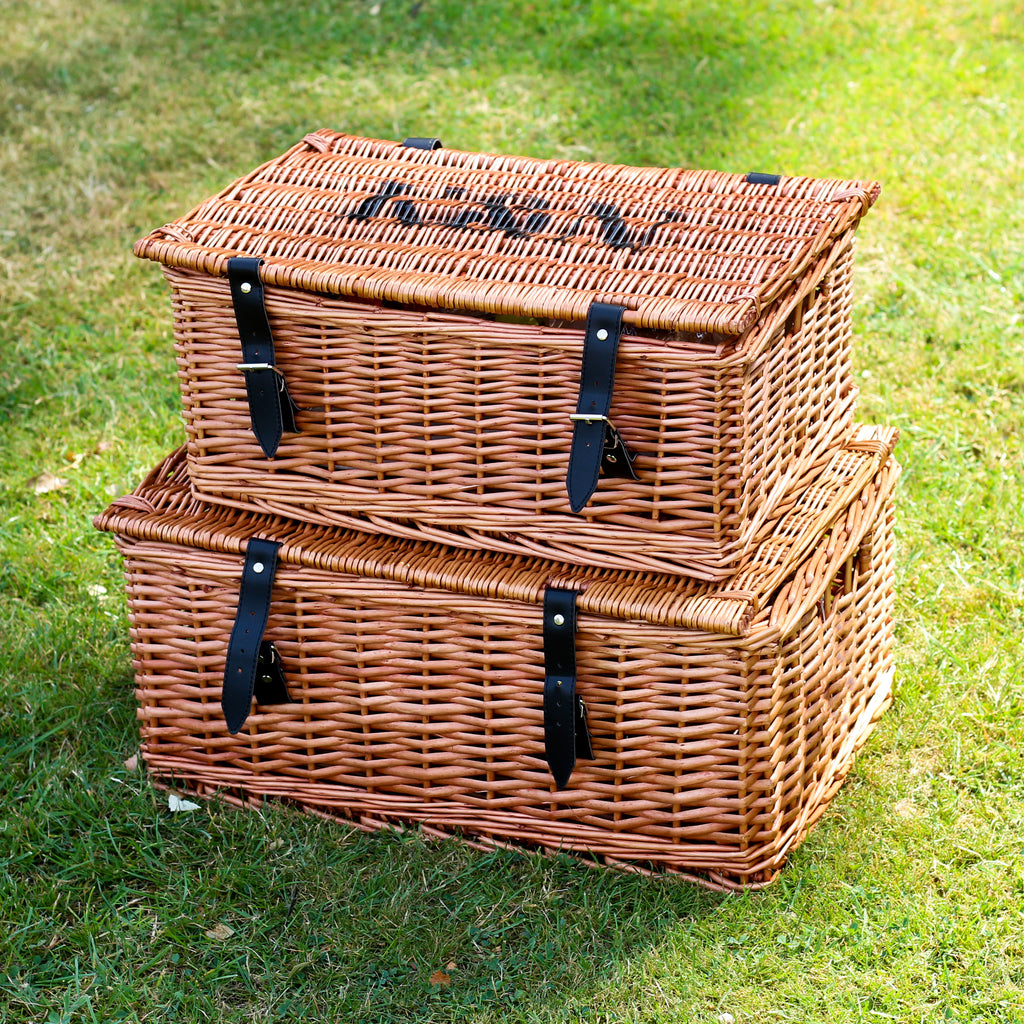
point(257, 567)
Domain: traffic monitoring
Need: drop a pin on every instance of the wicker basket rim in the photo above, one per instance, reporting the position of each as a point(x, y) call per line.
point(162, 510)
point(722, 283)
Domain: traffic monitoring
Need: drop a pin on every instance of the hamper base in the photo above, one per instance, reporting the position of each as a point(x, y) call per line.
point(707, 865)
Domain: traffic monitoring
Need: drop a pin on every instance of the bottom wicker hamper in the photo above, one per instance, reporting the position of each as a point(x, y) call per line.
point(644, 720)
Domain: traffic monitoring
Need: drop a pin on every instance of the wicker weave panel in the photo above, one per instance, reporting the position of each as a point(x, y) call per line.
point(714, 753)
point(418, 421)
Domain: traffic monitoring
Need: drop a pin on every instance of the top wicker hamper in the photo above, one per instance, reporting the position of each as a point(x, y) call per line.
point(422, 342)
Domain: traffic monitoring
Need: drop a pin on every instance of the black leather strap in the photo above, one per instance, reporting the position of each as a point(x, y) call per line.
point(757, 178)
point(565, 718)
point(593, 432)
point(271, 408)
point(418, 143)
point(246, 643)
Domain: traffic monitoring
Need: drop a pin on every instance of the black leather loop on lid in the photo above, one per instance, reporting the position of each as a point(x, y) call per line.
point(246, 643)
point(271, 409)
point(595, 442)
point(418, 143)
point(757, 178)
point(565, 721)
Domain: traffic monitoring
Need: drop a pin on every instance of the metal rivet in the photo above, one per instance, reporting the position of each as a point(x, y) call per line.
point(257, 567)
point(559, 620)
point(246, 287)
point(612, 458)
point(602, 335)
point(267, 680)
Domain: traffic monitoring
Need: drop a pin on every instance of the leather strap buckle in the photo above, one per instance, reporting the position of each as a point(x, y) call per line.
point(252, 661)
point(596, 444)
point(271, 686)
point(271, 408)
point(566, 735)
point(617, 457)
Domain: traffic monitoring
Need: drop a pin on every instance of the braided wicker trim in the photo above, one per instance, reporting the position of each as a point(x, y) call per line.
point(843, 490)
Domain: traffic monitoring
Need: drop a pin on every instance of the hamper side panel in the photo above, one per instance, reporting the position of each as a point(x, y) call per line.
point(834, 682)
point(801, 395)
point(188, 346)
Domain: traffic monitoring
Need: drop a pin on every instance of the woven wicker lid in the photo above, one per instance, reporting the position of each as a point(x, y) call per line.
point(695, 251)
point(843, 496)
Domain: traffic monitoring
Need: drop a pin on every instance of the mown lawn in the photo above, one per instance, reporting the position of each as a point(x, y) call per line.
point(905, 903)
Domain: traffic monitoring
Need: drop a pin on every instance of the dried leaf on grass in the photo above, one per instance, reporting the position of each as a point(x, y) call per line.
point(440, 978)
point(46, 482)
point(132, 763)
point(220, 932)
point(175, 803)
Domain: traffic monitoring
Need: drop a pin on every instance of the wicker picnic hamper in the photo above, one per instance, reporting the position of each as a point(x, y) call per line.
point(605, 365)
point(643, 719)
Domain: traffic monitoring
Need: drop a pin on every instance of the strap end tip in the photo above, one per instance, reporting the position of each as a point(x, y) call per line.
point(578, 502)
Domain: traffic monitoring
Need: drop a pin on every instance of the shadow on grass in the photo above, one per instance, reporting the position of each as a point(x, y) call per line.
point(623, 78)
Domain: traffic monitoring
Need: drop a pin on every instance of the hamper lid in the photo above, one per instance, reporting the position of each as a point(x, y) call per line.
point(681, 250)
point(801, 549)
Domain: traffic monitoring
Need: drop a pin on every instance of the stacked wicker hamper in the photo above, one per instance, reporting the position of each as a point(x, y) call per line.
point(520, 499)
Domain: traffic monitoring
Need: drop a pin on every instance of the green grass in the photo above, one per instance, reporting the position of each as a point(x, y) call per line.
point(905, 903)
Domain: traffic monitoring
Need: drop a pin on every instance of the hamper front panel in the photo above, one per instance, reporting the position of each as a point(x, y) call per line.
point(436, 421)
point(416, 693)
point(441, 417)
